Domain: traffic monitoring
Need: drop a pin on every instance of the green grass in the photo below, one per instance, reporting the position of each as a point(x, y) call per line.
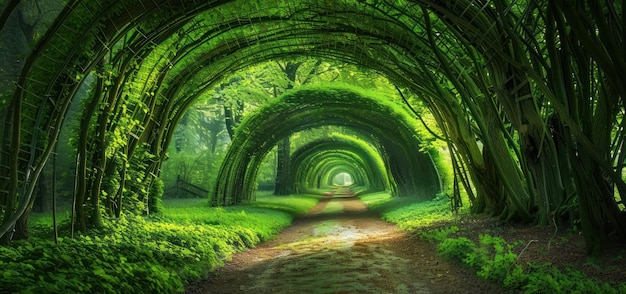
point(64, 213)
point(408, 214)
point(156, 255)
point(266, 216)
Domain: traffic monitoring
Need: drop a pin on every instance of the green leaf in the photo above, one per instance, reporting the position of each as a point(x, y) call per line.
point(100, 272)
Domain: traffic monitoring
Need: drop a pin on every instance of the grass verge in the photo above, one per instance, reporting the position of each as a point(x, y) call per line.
point(138, 255)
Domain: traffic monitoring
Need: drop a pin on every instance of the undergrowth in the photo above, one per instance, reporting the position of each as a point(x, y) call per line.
point(408, 214)
point(492, 257)
point(138, 255)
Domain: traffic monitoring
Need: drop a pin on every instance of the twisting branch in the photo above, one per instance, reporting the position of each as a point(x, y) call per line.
point(419, 116)
point(7, 12)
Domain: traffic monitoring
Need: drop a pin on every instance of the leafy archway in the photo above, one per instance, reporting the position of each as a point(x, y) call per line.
point(551, 144)
point(391, 126)
point(319, 161)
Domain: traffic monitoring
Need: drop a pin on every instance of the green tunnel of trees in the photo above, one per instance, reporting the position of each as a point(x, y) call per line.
point(529, 95)
point(318, 162)
point(412, 170)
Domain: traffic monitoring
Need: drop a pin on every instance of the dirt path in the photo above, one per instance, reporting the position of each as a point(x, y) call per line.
point(341, 247)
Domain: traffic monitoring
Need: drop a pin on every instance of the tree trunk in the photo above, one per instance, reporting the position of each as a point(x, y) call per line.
point(21, 226)
point(233, 117)
point(282, 167)
point(41, 196)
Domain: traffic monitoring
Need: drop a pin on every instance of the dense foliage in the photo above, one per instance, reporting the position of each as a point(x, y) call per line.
point(138, 255)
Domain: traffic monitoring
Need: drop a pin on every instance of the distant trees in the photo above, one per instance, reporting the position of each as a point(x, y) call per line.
point(199, 140)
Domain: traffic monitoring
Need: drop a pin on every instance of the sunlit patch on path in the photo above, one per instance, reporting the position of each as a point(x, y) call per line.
point(338, 247)
point(340, 256)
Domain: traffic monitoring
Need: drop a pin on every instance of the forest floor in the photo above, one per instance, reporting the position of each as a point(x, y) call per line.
point(340, 246)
